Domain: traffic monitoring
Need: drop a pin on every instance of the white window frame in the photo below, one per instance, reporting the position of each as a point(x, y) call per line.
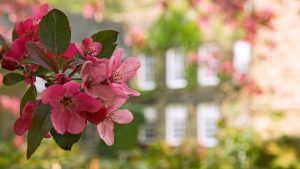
point(171, 68)
point(150, 116)
point(241, 56)
point(143, 84)
point(208, 115)
point(176, 121)
point(202, 72)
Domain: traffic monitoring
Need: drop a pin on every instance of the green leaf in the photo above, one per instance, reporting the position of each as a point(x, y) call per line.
point(30, 95)
point(4, 46)
point(108, 39)
point(54, 32)
point(38, 55)
point(66, 140)
point(12, 78)
point(41, 71)
point(41, 124)
point(14, 34)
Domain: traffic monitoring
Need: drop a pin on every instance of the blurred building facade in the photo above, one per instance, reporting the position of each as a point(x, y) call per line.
point(173, 112)
point(277, 71)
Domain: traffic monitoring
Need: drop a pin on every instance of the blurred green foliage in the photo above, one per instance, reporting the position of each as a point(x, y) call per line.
point(237, 149)
point(49, 155)
point(173, 28)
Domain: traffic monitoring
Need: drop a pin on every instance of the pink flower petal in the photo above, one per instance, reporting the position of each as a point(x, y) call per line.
point(71, 88)
point(97, 117)
point(86, 69)
point(106, 132)
point(23, 26)
point(97, 47)
point(60, 120)
point(99, 72)
point(85, 102)
point(86, 42)
point(103, 92)
point(121, 89)
point(89, 48)
point(115, 103)
point(76, 123)
point(129, 67)
point(70, 52)
point(122, 116)
point(52, 94)
point(115, 61)
point(18, 48)
point(95, 70)
point(38, 12)
point(23, 123)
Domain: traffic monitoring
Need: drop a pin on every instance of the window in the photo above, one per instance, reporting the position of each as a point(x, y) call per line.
point(175, 69)
point(147, 132)
point(207, 69)
point(146, 73)
point(176, 116)
point(207, 118)
point(241, 56)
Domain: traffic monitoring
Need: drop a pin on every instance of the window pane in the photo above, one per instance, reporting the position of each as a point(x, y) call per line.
point(241, 56)
point(207, 118)
point(175, 69)
point(146, 73)
point(176, 116)
point(147, 131)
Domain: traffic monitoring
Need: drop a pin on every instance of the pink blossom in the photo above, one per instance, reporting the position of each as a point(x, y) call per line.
point(203, 22)
point(119, 72)
point(89, 49)
point(97, 117)
point(251, 88)
point(28, 78)
point(18, 141)
point(69, 52)
point(106, 127)
point(10, 103)
point(264, 17)
point(17, 50)
point(226, 68)
point(61, 78)
point(27, 74)
point(135, 37)
point(67, 103)
point(39, 11)
point(193, 58)
point(194, 3)
point(88, 11)
point(27, 30)
point(240, 79)
point(24, 121)
point(93, 75)
point(103, 79)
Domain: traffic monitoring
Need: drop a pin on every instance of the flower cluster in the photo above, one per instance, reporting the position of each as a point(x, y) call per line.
point(85, 82)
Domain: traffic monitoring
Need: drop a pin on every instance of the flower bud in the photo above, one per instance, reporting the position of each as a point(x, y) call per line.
point(61, 78)
point(10, 63)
